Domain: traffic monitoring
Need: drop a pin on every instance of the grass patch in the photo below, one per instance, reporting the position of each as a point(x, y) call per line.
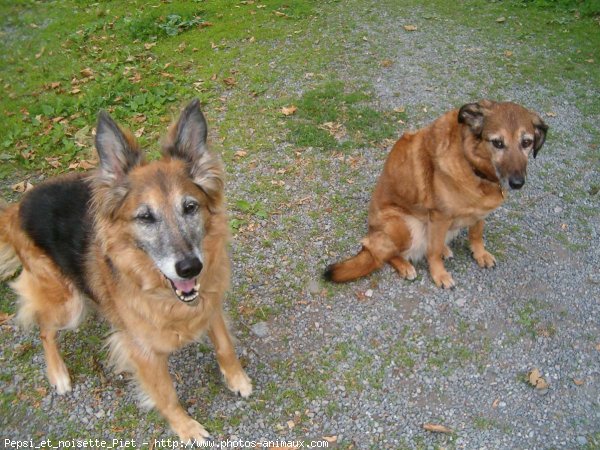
point(333, 117)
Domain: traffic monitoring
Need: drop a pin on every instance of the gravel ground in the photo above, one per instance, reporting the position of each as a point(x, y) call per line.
point(370, 362)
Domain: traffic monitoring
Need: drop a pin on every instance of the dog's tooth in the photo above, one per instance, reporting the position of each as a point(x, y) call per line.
point(178, 292)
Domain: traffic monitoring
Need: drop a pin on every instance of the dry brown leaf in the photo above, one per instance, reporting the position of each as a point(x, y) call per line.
point(501, 19)
point(39, 55)
point(280, 14)
point(410, 27)
point(330, 439)
point(87, 72)
point(22, 187)
point(288, 110)
point(578, 382)
point(536, 380)
point(508, 53)
point(75, 91)
point(149, 45)
point(496, 403)
point(386, 63)
point(240, 153)
point(551, 114)
point(436, 428)
point(229, 81)
point(5, 317)
point(598, 347)
point(53, 161)
point(335, 129)
point(139, 133)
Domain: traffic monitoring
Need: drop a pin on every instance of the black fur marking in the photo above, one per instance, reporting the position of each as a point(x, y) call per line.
point(56, 217)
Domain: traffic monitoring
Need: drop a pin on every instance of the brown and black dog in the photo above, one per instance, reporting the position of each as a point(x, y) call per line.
point(147, 243)
point(437, 180)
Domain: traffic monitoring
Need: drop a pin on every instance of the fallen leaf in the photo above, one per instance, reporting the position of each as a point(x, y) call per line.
point(87, 72)
point(577, 381)
point(86, 165)
point(149, 45)
point(39, 55)
point(496, 403)
point(291, 424)
point(501, 19)
point(55, 85)
point(591, 61)
point(229, 81)
point(139, 132)
point(386, 63)
point(280, 14)
point(288, 110)
point(435, 428)
point(330, 439)
point(22, 187)
point(551, 114)
point(410, 27)
point(240, 153)
point(508, 53)
point(5, 317)
point(53, 161)
point(536, 380)
point(598, 347)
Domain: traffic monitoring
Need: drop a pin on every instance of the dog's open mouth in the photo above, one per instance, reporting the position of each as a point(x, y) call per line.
point(186, 290)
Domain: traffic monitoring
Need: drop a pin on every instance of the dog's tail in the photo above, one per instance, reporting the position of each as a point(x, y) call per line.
point(9, 262)
point(358, 266)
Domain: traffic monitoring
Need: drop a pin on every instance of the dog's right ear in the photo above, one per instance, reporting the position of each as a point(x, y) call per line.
point(471, 115)
point(186, 141)
point(117, 150)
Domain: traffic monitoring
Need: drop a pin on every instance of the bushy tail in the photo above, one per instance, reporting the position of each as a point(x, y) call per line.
point(358, 266)
point(9, 262)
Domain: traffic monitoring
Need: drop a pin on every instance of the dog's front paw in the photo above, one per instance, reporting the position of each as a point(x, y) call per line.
point(447, 253)
point(443, 280)
point(58, 375)
point(240, 384)
point(485, 259)
point(191, 432)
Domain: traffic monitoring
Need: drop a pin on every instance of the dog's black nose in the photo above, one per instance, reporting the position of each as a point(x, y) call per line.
point(516, 182)
point(188, 268)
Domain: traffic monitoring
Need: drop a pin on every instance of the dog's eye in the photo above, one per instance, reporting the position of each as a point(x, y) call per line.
point(145, 217)
point(526, 143)
point(190, 207)
point(498, 143)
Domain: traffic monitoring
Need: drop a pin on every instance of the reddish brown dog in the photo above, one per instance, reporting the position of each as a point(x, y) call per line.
point(442, 178)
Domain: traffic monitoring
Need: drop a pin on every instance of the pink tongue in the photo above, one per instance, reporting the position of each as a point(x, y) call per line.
point(185, 285)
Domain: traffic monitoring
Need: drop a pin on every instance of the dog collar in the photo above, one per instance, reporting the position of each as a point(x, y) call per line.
point(478, 173)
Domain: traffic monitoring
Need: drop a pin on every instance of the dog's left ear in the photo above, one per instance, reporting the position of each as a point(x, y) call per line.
point(187, 141)
point(540, 130)
point(472, 115)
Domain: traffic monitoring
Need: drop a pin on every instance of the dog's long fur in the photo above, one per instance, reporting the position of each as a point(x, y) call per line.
point(442, 178)
point(146, 242)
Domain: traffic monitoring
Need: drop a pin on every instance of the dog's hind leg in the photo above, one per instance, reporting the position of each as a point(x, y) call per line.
point(235, 376)
point(53, 305)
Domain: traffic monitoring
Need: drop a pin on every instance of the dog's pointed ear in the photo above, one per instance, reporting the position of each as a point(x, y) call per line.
point(118, 151)
point(540, 131)
point(472, 115)
point(186, 140)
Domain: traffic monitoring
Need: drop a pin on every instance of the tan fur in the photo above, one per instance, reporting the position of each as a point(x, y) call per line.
point(148, 321)
point(438, 180)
